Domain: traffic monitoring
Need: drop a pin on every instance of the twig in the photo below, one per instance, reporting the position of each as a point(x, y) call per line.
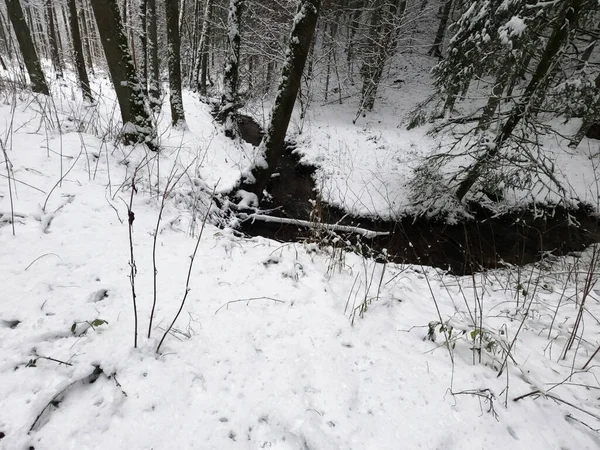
point(557, 399)
point(59, 182)
point(92, 376)
point(189, 275)
point(38, 258)
point(56, 360)
point(439, 313)
point(8, 167)
point(22, 182)
point(131, 218)
point(591, 357)
point(170, 185)
point(247, 300)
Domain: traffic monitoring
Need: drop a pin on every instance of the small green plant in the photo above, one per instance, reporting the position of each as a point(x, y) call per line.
point(93, 324)
point(478, 338)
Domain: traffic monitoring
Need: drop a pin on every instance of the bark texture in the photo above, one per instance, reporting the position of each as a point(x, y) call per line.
point(137, 126)
point(230, 80)
point(291, 75)
point(153, 66)
point(78, 58)
point(30, 57)
point(174, 44)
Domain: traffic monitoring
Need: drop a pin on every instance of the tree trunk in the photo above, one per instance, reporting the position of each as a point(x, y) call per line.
point(4, 33)
point(144, 41)
point(129, 27)
point(330, 55)
point(438, 43)
point(86, 39)
point(493, 101)
point(67, 46)
point(52, 38)
point(153, 67)
point(382, 40)
point(291, 77)
point(35, 27)
point(78, 52)
point(174, 57)
point(585, 56)
point(137, 126)
point(202, 60)
point(519, 72)
point(181, 9)
point(229, 97)
point(195, 40)
point(569, 15)
point(32, 62)
point(351, 33)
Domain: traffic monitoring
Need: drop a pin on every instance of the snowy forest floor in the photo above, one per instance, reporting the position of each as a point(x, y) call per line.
point(282, 346)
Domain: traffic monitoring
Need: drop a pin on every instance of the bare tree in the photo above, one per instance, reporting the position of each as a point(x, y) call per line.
point(385, 20)
point(202, 60)
point(137, 126)
point(78, 52)
point(229, 97)
point(174, 43)
point(436, 48)
point(53, 39)
point(30, 57)
point(153, 66)
point(86, 37)
point(300, 39)
point(144, 40)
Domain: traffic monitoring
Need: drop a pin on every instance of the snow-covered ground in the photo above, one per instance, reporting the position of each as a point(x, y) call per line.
point(279, 345)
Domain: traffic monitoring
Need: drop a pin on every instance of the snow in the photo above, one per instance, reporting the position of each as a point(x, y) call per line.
point(247, 199)
point(515, 27)
point(280, 345)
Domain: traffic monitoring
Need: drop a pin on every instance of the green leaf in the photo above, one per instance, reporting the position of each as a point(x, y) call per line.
point(474, 334)
point(98, 322)
point(73, 327)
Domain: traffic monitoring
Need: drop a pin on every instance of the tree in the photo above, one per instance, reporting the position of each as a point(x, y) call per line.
point(153, 67)
point(137, 126)
point(144, 40)
point(230, 80)
point(382, 40)
point(436, 48)
point(584, 102)
point(299, 42)
point(486, 40)
point(30, 57)
point(202, 59)
point(53, 39)
point(565, 22)
point(4, 36)
point(78, 51)
point(86, 38)
point(173, 41)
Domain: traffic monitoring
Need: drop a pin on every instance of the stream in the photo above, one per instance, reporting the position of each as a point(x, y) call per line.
point(485, 242)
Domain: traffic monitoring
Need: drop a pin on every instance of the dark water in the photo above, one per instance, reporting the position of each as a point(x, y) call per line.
point(485, 242)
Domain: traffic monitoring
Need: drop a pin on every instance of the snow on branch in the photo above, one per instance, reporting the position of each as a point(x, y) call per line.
point(369, 234)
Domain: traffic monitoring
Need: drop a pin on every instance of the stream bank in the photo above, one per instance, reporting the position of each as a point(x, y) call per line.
point(487, 241)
